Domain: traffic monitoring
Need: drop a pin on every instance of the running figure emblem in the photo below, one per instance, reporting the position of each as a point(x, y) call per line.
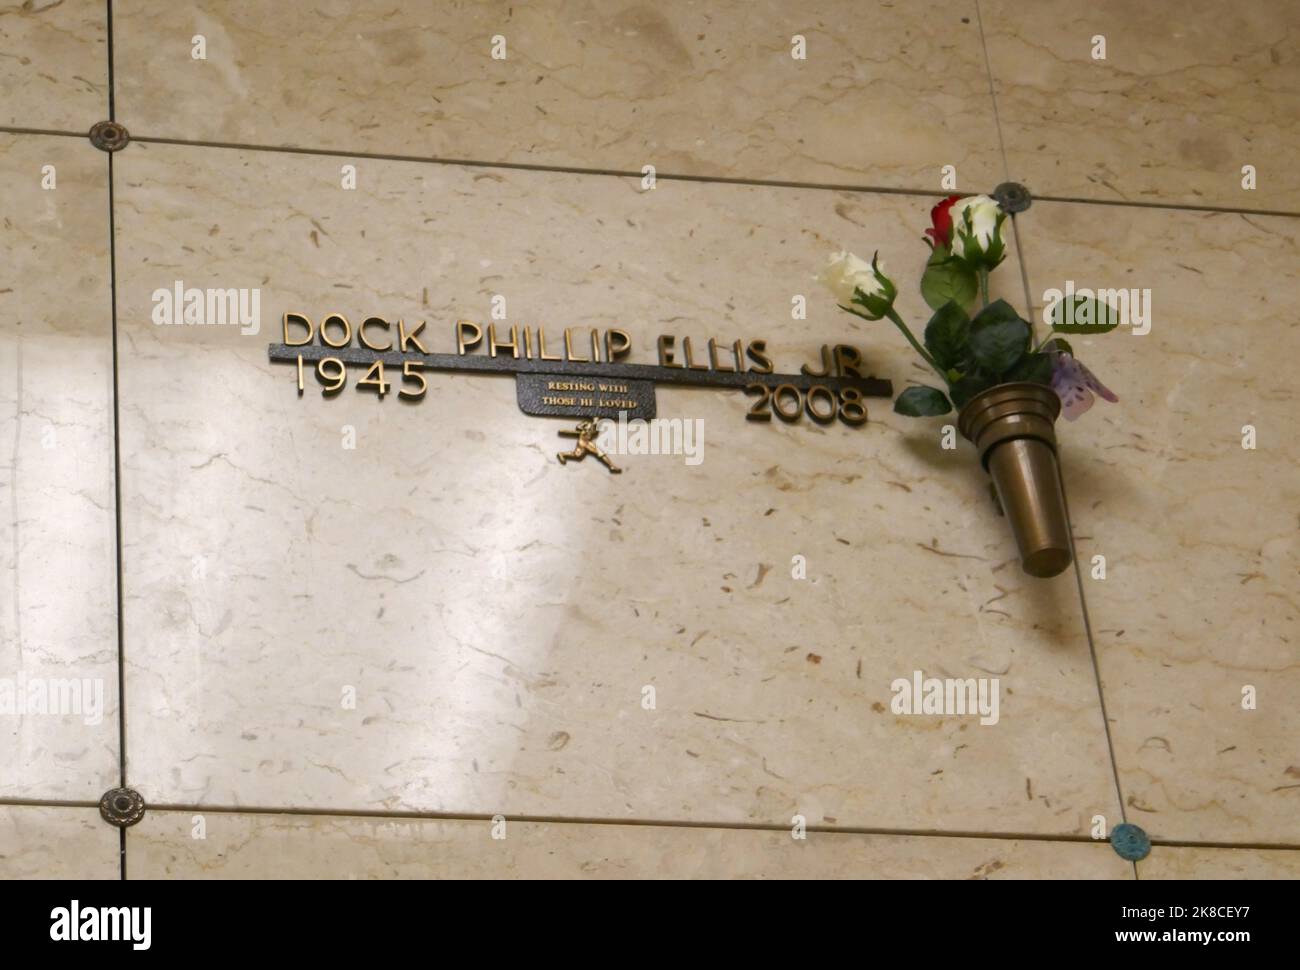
point(585, 433)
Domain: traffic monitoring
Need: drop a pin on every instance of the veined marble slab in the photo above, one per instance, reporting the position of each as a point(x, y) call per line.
point(1186, 95)
point(58, 595)
point(222, 845)
point(1199, 863)
point(1197, 618)
point(48, 842)
point(54, 66)
point(499, 617)
point(884, 97)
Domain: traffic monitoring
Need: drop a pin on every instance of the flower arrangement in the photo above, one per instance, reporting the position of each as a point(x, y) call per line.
point(972, 354)
point(1007, 387)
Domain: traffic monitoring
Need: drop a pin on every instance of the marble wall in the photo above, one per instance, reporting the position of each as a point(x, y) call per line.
point(372, 626)
point(58, 554)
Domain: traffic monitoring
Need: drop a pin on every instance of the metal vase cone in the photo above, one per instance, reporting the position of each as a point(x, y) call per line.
point(1012, 426)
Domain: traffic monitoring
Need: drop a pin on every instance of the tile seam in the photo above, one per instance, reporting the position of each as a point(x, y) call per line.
point(661, 176)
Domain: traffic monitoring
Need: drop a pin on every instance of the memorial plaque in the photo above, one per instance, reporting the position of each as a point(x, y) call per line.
point(577, 372)
point(564, 396)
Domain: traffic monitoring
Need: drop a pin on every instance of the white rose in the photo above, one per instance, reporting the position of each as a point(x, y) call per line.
point(845, 273)
point(984, 214)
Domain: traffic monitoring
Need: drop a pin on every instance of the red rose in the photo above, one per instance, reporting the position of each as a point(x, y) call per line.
point(941, 216)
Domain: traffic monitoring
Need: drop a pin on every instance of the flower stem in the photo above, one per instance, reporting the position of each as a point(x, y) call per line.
point(897, 321)
point(984, 285)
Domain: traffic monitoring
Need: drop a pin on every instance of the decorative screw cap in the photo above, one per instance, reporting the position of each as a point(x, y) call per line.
point(109, 136)
point(1013, 197)
point(1130, 842)
point(121, 807)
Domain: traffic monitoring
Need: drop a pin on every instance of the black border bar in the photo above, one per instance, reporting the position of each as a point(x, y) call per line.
point(484, 364)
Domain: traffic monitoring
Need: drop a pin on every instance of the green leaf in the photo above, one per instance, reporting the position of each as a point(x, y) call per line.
point(1075, 315)
point(947, 335)
point(966, 388)
point(1060, 345)
point(997, 310)
point(998, 338)
point(1035, 368)
point(947, 280)
point(922, 402)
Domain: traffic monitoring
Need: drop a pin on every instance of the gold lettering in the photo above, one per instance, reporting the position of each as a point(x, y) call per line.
point(411, 370)
point(361, 334)
point(847, 361)
point(347, 330)
point(616, 348)
point(826, 364)
point(301, 319)
point(464, 329)
point(666, 351)
point(568, 347)
point(494, 344)
point(757, 351)
point(713, 357)
point(405, 338)
point(690, 363)
point(541, 343)
point(375, 378)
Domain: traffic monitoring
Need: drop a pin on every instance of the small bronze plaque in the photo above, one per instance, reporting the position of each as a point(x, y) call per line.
point(573, 396)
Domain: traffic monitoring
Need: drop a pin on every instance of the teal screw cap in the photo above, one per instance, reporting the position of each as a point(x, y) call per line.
point(1130, 842)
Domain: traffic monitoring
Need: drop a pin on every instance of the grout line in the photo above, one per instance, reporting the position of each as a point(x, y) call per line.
point(14, 130)
point(630, 823)
point(1024, 277)
point(112, 99)
point(1078, 572)
point(1006, 174)
point(117, 452)
point(704, 824)
point(661, 176)
point(117, 487)
point(1175, 206)
point(117, 449)
point(988, 69)
point(1074, 554)
point(681, 176)
point(644, 823)
point(538, 167)
point(46, 803)
point(1207, 844)
point(1092, 645)
point(8, 802)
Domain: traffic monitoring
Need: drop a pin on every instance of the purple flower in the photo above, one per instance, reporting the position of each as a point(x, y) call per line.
point(1074, 384)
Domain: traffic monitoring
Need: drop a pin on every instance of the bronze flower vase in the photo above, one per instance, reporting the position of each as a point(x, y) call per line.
point(1012, 426)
